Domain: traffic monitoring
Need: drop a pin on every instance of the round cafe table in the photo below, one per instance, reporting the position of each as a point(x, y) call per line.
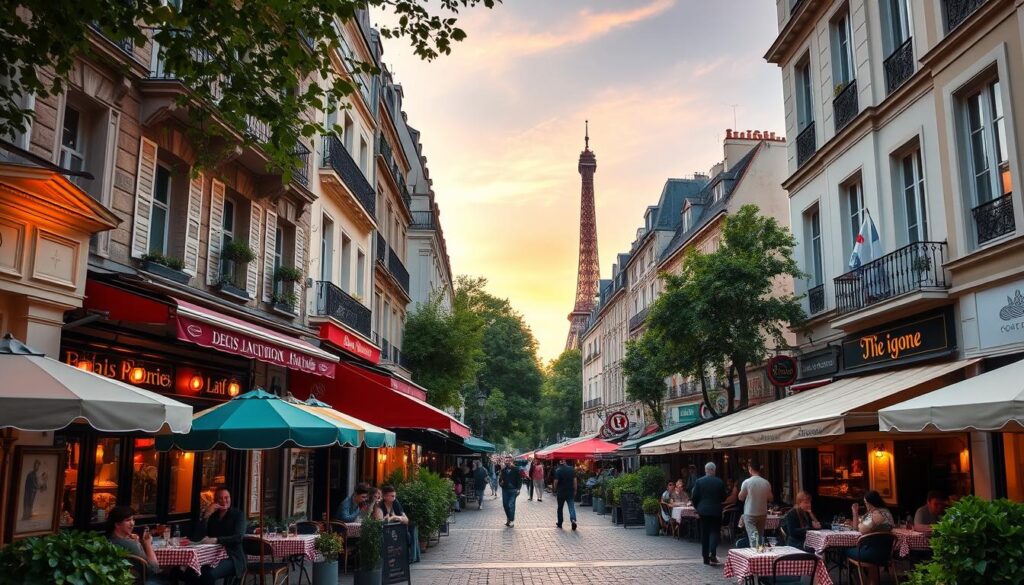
point(193, 556)
point(747, 565)
point(680, 512)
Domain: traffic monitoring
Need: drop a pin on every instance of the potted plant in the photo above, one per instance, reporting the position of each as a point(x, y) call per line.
point(371, 552)
point(426, 500)
point(165, 266)
point(328, 545)
point(236, 255)
point(289, 274)
point(284, 302)
point(651, 507)
point(598, 499)
point(69, 556)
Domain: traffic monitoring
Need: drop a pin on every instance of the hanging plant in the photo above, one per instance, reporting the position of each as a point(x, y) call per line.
point(287, 274)
point(238, 251)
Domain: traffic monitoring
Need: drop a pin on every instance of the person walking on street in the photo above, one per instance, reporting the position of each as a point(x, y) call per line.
point(708, 495)
point(527, 478)
point(479, 483)
point(511, 482)
point(565, 487)
point(492, 472)
point(755, 493)
point(537, 477)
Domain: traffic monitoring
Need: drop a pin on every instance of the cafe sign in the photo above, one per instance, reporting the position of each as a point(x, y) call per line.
point(918, 338)
point(819, 364)
point(1001, 315)
point(782, 370)
point(161, 377)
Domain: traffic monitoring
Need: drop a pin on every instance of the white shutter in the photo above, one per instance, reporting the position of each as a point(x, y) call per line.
point(216, 238)
point(269, 244)
point(300, 263)
point(194, 220)
point(144, 182)
point(252, 271)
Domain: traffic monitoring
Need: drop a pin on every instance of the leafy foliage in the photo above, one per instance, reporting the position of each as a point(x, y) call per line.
point(626, 483)
point(427, 500)
point(168, 261)
point(329, 545)
point(651, 505)
point(227, 53)
point(238, 251)
point(288, 274)
point(652, 480)
point(562, 396)
point(646, 367)
point(371, 544)
point(977, 542)
point(70, 557)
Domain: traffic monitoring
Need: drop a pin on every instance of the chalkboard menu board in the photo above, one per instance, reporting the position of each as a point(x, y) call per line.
point(395, 568)
point(632, 511)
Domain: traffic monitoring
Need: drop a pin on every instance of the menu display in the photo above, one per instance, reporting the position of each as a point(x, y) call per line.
point(395, 568)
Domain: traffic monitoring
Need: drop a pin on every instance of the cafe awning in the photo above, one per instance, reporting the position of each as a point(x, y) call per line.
point(993, 401)
point(586, 449)
point(479, 445)
point(816, 414)
point(632, 446)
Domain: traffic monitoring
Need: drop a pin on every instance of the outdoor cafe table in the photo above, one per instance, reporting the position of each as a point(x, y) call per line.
point(290, 546)
point(748, 564)
point(821, 540)
point(680, 512)
point(354, 529)
point(193, 556)
point(771, 522)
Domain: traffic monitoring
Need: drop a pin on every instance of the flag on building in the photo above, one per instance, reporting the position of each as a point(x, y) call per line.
point(867, 246)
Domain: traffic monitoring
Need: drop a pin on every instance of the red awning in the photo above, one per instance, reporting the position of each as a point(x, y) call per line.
point(209, 328)
point(587, 449)
point(385, 401)
point(350, 342)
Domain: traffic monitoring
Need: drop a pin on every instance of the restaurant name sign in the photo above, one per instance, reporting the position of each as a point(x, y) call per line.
point(818, 364)
point(920, 337)
point(160, 377)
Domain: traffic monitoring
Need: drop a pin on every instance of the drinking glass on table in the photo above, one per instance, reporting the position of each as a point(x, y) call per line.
point(772, 541)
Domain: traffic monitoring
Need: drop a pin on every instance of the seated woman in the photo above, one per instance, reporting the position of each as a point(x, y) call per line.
point(877, 519)
point(732, 494)
point(667, 497)
point(679, 495)
point(121, 533)
point(799, 520)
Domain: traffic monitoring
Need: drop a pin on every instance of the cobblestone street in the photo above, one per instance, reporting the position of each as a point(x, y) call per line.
point(480, 549)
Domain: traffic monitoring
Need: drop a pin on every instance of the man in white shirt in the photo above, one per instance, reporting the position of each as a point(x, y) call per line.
point(755, 493)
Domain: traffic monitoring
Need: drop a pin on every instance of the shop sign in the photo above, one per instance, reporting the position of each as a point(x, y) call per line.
point(156, 376)
point(1001, 315)
point(919, 337)
point(758, 386)
point(819, 364)
point(721, 401)
point(688, 413)
point(348, 342)
point(782, 370)
point(617, 422)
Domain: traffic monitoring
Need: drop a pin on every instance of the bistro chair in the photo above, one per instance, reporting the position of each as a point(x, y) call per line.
point(670, 526)
point(777, 579)
point(351, 547)
point(307, 527)
point(876, 540)
point(730, 518)
point(298, 562)
point(140, 569)
point(255, 546)
point(742, 542)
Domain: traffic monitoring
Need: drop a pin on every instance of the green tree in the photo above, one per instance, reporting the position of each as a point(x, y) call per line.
point(562, 396)
point(228, 53)
point(646, 367)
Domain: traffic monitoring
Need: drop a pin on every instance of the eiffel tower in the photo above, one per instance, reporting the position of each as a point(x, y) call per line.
point(589, 272)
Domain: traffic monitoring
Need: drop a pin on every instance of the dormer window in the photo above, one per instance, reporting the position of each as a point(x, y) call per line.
point(718, 191)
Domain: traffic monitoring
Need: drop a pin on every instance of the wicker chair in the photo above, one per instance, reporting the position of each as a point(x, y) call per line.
point(339, 527)
point(140, 569)
point(254, 546)
point(884, 540)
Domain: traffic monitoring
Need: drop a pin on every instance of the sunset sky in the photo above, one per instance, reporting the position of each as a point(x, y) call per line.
point(502, 123)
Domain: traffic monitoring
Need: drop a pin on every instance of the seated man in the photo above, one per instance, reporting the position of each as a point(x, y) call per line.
point(121, 533)
point(351, 508)
point(930, 513)
point(667, 497)
point(221, 524)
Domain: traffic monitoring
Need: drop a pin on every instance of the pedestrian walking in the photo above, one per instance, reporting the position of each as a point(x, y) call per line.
point(479, 483)
point(511, 482)
point(537, 477)
point(493, 473)
point(564, 487)
point(708, 495)
point(527, 475)
point(755, 493)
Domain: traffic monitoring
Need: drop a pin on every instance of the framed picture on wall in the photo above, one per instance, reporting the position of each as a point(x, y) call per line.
point(300, 492)
point(300, 464)
point(826, 465)
point(38, 474)
point(883, 473)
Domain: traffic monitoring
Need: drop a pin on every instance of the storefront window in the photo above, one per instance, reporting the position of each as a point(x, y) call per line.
point(179, 492)
point(145, 466)
point(842, 471)
point(104, 484)
point(215, 464)
point(69, 497)
point(1013, 447)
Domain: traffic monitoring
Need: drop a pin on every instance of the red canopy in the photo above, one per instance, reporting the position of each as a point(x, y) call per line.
point(587, 449)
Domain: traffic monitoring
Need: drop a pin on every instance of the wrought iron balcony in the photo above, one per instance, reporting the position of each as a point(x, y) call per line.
point(845, 107)
point(592, 403)
point(338, 159)
point(381, 251)
point(331, 301)
point(397, 269)
point(257, 129)
point(127, 44)
point(899, 66)
point(994, 218)
point(806, 144)
point(301, 174)
point(816, 300)
point(910, 269)
point(422, 220)
point(637, 320)
point(957, 11)
point(385, 349)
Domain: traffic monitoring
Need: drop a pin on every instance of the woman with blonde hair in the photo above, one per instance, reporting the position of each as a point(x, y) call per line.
point(799, 520)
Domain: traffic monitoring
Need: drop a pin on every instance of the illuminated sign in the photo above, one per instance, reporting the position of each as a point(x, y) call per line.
point(159, 377)
point(918, 338)
point(782, 370)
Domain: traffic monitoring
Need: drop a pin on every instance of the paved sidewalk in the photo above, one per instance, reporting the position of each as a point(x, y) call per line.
point(481, 550)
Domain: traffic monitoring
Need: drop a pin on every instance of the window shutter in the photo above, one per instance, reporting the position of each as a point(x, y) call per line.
point(144, 183)
point(252, 271)
point(300, 263)
point(194, 221)
point(269, 244)
point(213, 245)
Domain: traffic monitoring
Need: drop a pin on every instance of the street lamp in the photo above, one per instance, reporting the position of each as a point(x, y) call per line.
point(481, 400)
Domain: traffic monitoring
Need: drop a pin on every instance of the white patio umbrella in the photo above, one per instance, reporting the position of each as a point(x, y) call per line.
point(38, 393)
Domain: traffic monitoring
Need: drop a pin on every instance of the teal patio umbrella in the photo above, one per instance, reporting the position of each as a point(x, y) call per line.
point(479, 445)
point(373, 436)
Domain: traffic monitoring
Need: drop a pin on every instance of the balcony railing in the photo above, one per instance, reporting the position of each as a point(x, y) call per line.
point(806, 144)
point(127, 44)
point(397, 269)
point(994, 218)
point(899, 66)
point(957, 11)
point(385, 349)
point(637, 320)
point(816, 299)
point(381, 251)
point(301, 174)
point(402, 360)
point(911, 268)
point(422, 220)
point(845, 107)
point(338, 159)
point(592, 403)
point(257, 129)
point(331, 301)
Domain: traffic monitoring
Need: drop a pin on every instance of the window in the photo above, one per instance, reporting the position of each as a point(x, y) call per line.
point(228, 235)
point(988, 160)
point(363, 151)
point(105, 482)
point(347, 132)
point(914, 205)
point(853, 208)
point(812, 227)
point(718, 191)
point(346, 263)
point(179, 492)
point(842, 50)
point(330, 113)
point(159, 222)
point(804, 96)
point(72, 468)
point(72, 143)
point(360, 273)
point(145, 471)
point(896, 24)
point(326, 248)
point(214, 464)
point(278, 258)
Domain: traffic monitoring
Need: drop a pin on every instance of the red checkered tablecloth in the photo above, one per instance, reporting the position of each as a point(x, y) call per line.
point(820, 540)
point(771, 522)
point(194, 557)
point(354, 529)
point(286, 546)
point(907, 540)
point(680, 512)
point(747, 562)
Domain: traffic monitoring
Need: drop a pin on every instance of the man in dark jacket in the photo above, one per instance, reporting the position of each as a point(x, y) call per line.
point(221, 524)
point(511, 482)
point(708, 495)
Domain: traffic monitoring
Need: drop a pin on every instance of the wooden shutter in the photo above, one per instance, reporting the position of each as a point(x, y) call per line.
point(194, 221)
point(145, 181)
point(269, 244)
point(300, 263)
point(216, 238)
point(252, 271)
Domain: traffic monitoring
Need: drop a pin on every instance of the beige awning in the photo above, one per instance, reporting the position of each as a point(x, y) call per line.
point(822, 412)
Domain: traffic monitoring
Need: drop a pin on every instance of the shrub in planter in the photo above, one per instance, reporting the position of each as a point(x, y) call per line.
point(651, 507)
point(285, 298)
point(652, 480)
point(238, 251)
point(69, 557)
point(371, 550)
point(427, 498)
point(158, 258)
point(977, 542)
point(330, 546)
point(627, 482)
point(287, 274)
